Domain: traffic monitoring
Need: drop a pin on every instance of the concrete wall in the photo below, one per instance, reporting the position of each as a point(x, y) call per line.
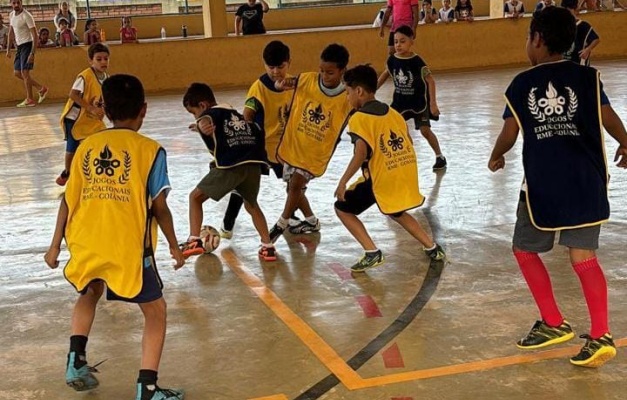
point(236, 62)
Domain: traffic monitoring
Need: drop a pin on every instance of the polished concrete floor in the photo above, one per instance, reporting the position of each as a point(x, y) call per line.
point(303, 327)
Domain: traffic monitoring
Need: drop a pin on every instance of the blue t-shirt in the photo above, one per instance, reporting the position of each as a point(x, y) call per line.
point(158, 179)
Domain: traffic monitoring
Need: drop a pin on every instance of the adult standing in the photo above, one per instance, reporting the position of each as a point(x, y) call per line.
point(249, 18)
point(64, 12)
point(22, 29)
point(403, 12)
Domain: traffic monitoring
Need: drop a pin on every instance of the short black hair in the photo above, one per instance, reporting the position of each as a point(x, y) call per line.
point(44, 29)
point(123, 97)
point(276, 53)
point(335, 53)
point(97, 48)
point(405, 30)
point(570, 4)
point(196, 93)
point(557, 28)
point(88, 23)
point(363, 76)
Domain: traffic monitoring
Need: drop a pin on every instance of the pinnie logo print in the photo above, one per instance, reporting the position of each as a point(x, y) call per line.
point(404, 79)
point(553, 104)
point(316, 115)
point(106, 165)
point(394, 141)
point(236, 123)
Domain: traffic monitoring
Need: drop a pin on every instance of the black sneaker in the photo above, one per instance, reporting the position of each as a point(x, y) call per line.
point(436, 254)
point(595, 352)
point(305, 227)
point(275, 232)
point(369, 260)
point(440, 163)
point(542, 335)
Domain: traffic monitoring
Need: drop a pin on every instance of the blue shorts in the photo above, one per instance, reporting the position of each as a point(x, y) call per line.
point(21, 57)
point(72, 144)
point(151, 285)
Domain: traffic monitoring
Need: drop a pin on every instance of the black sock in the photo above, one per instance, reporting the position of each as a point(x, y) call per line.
point(78, 344)
point(147, 377)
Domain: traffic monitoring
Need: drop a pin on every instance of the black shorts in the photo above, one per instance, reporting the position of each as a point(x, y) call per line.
point(358, 198)
point(420, 119)
point(391, 39)
point(151, 285)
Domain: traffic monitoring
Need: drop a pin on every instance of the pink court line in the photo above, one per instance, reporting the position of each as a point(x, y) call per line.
point(341, 271)
point(369, 306)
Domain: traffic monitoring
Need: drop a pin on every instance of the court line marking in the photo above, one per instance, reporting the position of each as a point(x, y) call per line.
point(325, 353)
point(275, 397)
point(349, 377)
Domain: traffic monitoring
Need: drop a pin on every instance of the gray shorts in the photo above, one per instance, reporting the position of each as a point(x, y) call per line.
point(529, 238)
point(244, 179)
point(288, 171)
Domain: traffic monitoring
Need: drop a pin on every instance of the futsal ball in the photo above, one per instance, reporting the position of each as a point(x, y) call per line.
point(210, 238)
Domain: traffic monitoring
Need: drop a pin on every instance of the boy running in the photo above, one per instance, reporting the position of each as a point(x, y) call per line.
point(115, 198)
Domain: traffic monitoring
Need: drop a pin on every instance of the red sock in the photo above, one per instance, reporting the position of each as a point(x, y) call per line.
point(594, 288)
point(539, 283)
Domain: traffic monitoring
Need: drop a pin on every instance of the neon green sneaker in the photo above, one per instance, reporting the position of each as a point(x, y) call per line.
point(595, 352)
point(542, 335)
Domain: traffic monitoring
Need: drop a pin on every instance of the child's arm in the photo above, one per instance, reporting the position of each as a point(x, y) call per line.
point(415, 12)
point(614, 126)
point(359, 156)
point(585, 53)
point(77, 98)
point(86, 38)
point(382, 78)
point(264, 6)
point(162, 213)
point(433, 104)
point(52, 255)
point(10, 38)
point(504, 143)
point(205, 125)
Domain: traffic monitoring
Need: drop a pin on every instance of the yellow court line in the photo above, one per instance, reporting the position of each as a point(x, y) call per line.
point(275, 397)
point(477, 365)
point(325, 353)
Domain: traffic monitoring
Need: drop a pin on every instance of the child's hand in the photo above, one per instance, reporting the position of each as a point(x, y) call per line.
point(340, 191)
point(205, 125)
point(285, 84)
point(435, 110)
point(495, 165)
point(621, 157)
point(585, 53)
point(97, 112)
point(177, 255)
point(52, 257)
point(193, 127)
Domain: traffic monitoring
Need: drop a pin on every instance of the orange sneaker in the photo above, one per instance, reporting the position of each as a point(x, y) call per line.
point(267, 253)
point(193, 247)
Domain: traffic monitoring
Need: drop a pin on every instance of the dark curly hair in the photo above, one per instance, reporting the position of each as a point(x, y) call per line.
point(557, 28)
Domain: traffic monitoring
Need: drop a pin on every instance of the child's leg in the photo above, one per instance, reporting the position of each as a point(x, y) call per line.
point(232, 210)
point(85, 309)
point(154, 333)
point(304, 206)
point(196, 200)
point(357, 229)
point(259, 221)
point(295, 194)
point(431, 139)
point(412, 226)
point(594, 286)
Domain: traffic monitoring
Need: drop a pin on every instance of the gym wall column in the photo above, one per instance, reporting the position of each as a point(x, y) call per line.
point(214, 18)
point(497, 8)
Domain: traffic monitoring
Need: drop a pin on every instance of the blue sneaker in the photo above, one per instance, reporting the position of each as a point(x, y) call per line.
point(154, 392)
point(80, 379)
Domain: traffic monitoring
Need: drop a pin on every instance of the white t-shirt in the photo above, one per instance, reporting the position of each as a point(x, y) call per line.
point(22, 23)
point(79, 86)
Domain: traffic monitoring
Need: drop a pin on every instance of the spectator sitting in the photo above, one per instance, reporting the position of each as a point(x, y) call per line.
point(92, 34)
point(4, 34)
point(249, 18)
point(65, 13)
point(544, 3)
point(447, 13)
point(514, 9)
point(128, 33)
point(44, 39)
point(428, 15)
point(463, 11)
point(65, 37)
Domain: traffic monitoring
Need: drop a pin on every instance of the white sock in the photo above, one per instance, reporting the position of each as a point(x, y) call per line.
point(312, 220)
point(432, 248)
point(282, 222)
